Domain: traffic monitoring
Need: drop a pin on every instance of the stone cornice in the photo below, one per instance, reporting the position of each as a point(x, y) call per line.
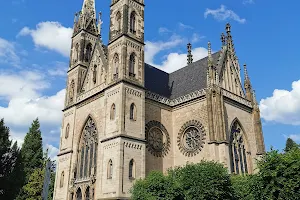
point(194, 95)
point(177, 101)
point(236, 98)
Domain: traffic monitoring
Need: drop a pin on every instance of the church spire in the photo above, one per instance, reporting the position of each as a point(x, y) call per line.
point(230, 45)
point(89, 8)
point(247, 85)
point(86, 18)
point(210, 59)
point(189, 55)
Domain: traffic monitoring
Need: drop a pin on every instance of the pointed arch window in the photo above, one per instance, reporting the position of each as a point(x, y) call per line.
point(79, 194)
point(67, 131)
point(86, 159)
point(131, 169)
point(132, 112)
point(131, 65)
point(62, 178)
point(132, 22)
point(87, 193)
point(118, 22)
point(110, 169)
point(76, 53)
point(238, 151)
point(116, 67)
point(113, 112)
point(95, 74)
point(88, 52)
point(71, 91)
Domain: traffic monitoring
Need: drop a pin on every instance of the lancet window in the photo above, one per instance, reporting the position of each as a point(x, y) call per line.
point(67, 131)
point(132, 22)
point(131, 64)
point(239, 163)
point(131, 169)
point(110, 169)
point(132, 112)
point(88, 52)
point(95, 74)
point(116, 66)
point(87, 151)
point(79, 194)
point(118, 22)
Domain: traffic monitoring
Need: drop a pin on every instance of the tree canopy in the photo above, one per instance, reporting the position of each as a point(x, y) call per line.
point(205, 180)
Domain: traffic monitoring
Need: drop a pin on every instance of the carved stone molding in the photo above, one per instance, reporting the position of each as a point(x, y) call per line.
point(158, 139)
point(132, 145)
point(69, 113)
point(177, 101)
point(191, 138)
point(111, 145)
point(90, 100)
point(237, 98)
point(112, 93)
point(133, 92)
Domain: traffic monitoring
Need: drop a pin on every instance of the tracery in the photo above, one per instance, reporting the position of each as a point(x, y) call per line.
point(238, 150)
point(87, 151)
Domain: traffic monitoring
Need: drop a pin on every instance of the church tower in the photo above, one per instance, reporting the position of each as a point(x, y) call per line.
point(126, 41)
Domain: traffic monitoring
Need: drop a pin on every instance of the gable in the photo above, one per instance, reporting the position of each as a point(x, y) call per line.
point(95, 74)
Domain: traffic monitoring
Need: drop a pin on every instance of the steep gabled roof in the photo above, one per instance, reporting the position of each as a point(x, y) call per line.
point(181, 82)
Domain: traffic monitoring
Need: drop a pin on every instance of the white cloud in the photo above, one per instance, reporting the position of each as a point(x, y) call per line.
point(175, 61)
point(222, 14)
point(52, 151)
point(184, 26)
point(59, 69)
point(163, 30)
point(50, 35)
point(172, 61)
point(8, 53)
point(153, 48)
point(295, 137)
point(283, 106)
point(25, 102)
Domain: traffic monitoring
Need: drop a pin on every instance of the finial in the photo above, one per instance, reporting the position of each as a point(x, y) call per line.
point(223, 39)
point(254, 97)
point(210, 59)
point(209, 49)
point(189, 55)
point(246, 72)
point(100, 22)
point(228, 27)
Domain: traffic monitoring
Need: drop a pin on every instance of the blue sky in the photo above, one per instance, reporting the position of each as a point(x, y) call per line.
point(35, 42)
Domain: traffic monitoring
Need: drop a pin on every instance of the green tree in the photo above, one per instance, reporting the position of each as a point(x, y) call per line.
point(32, 149)
point(34, 188)
point(32, 155)
point(280, 174)
point(290, 144)
point(247, 187)
point(205, 180)
point(10, 165)
point(156, 186)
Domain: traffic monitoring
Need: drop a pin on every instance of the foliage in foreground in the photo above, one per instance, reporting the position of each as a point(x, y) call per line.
point(10, 165)
point(278, 178)
point(205, 180)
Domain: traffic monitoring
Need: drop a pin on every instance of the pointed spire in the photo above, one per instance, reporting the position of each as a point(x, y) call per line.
point(230, 44)
point(246, 76)
point(223, 39)
point(100, 22)
point(86, 18)
point(89, 8)
point(189, 55)
point(210, 59)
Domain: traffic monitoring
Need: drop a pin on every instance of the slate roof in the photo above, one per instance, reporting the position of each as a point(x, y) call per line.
point(181, 82)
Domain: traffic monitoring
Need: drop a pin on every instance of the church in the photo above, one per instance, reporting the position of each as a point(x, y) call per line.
point(124, 118)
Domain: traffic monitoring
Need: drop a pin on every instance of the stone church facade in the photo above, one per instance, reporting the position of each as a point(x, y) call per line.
point(124, 118)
